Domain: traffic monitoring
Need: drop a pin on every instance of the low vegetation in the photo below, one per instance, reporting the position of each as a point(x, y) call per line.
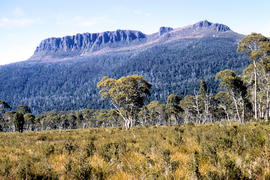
point(223, 150)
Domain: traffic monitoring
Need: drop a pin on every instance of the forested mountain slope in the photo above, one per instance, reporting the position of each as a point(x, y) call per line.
point(63, 72)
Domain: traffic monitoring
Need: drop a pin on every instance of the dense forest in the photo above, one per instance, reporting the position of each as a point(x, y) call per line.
point(173, 68)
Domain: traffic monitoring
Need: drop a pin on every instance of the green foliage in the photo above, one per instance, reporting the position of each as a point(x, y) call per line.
point(30, 121)
point(18, 122)
point(156, 113)
point(23, 109)
point(126, 91)
point(4, 105)
point(127, 94)
point(173, 108)
point(251, 44)
point(238, 92)
point(203, 88)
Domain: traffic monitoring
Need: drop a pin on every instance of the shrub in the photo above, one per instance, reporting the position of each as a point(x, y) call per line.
point(113, 150)
point(82, 170)
point(25, 169)
point(90, 149)
point(5, 166)
point(48, 149)
point(69, 146)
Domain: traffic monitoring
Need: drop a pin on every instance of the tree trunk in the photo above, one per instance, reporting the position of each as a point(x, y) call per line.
point(260, 108)
point(197, 109)
point(255, 90)
point(243, 112)
point(206, 106)
point(226, 112)
point(267, 103)
point(236, 108)
point(126, 120)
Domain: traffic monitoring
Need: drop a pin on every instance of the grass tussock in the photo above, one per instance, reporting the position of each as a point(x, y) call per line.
point(211, 151)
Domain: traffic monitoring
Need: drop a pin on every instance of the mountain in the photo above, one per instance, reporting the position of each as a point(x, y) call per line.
point(88, 44)
point(63, 72)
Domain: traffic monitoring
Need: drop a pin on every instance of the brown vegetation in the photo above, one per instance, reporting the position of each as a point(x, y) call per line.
point(221, 150)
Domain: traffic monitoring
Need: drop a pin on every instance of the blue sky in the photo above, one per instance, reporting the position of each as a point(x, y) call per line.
point(24, 23)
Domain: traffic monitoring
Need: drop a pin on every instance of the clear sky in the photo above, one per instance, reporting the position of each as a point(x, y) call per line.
point(24, 23)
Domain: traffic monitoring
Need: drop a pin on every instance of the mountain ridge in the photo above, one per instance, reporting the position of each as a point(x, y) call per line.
point(86, 44)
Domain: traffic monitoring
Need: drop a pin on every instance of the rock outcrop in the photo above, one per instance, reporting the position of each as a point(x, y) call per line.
point(163, 30)
point(87, 42)
point(210, 26)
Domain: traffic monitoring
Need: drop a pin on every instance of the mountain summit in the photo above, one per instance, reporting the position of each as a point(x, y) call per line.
point(88, 44)
point(208, 25)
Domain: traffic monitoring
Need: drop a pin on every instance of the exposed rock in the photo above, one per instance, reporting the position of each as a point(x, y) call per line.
point(87, 43)
point(163, 30)
point(213, 26)
point(74, 45)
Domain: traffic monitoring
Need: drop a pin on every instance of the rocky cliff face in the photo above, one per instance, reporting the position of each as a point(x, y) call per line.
point(87, 42)
point(163, 30)
point(210, 26)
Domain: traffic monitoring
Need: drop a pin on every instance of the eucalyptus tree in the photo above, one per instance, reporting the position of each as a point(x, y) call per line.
point(9, 120)
point(29, 121)
point(3, 107)
point(190, 108)
point(206, 99)
point(224, 102)
point(263, 86)
point(237, 90)
point(29, 118)
point(173, 108)
point(156, 113)
point(19, 122)
point(127, 94)
point(251, 45)
point(265, 64)
point(23, 109)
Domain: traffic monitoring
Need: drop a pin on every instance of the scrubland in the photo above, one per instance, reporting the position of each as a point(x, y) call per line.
point(223, 150)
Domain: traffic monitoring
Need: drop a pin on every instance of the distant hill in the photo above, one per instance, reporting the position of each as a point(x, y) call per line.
point(63, 72)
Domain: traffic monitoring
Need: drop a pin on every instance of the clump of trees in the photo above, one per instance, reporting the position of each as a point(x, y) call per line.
point(18, 120)
point(257, 46)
